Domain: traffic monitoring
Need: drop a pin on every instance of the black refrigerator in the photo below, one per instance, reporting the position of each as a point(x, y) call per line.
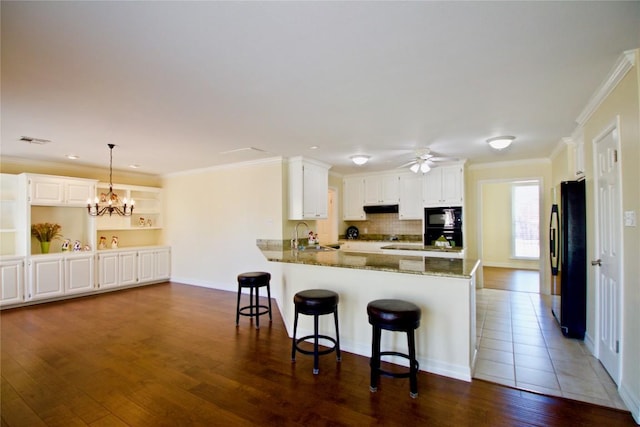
point(568, 247)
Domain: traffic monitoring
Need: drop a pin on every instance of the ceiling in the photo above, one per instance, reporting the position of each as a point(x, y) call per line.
point(187, 85)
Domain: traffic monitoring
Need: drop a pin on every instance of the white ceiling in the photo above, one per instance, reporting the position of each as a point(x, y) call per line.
point(174, 84)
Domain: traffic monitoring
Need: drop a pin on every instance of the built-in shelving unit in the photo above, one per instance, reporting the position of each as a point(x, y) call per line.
point(8, 214)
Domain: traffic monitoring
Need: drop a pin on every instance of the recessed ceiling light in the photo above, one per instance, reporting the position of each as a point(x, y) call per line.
point(500, 142)
point(360, 159)
point(134, 166)
point(72, 157)
point(313, 147)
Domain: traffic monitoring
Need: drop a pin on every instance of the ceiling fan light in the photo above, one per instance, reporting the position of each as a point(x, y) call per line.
point(500, 142)
point(360, 159)
point(414, 168)
point(424, 168)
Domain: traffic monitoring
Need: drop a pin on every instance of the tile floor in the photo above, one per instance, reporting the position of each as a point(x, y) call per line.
point(521, 346)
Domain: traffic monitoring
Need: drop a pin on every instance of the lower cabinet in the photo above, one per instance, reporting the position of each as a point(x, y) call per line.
point(12, 277)
point(60, 274)
point(154, 264)
point(129, 267)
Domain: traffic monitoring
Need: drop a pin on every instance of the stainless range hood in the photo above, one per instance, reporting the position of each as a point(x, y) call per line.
point(381, 209)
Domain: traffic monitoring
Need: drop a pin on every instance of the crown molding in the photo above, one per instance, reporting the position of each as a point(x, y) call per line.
point(560, 146)
point(625, 62)
point(509, 163)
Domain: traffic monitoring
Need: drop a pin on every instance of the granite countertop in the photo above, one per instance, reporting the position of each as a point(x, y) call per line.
point(414, 247)
point(444, 267)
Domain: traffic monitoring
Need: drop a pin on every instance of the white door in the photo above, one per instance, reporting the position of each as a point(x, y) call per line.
point(607, 260)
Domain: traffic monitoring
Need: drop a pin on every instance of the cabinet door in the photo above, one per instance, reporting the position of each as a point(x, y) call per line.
point(452, 185)
point(146, 266)
point(315, 192)
point(128, 268)
point(46, 191)
point(390, 190)
point(47, 278)
point(353, 199)
point(372, 194)
point(432, 191)
point(78, 192)
point(163, 264)
point(79, 274)
point(108, 270)
point(410, 197)
point(12, 276)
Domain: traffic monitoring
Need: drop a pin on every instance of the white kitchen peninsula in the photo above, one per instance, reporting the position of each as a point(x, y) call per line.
point(443, 288)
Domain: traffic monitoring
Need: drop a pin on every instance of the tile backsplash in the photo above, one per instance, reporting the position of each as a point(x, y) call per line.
point(387, 224)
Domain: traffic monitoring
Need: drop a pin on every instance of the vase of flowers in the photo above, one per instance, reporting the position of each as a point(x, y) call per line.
point(45, 233)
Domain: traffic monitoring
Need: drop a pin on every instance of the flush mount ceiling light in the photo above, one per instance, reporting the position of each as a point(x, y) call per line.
point(72, 157)
point(110, 202)
point(360, 159)
point(500, 142)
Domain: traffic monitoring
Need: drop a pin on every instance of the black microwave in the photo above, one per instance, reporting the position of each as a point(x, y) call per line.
point(443, 218)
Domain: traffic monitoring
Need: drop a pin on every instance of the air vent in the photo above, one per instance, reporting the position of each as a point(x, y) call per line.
point(37, 141)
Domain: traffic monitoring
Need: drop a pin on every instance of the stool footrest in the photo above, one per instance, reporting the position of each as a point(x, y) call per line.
point(320, 352)
point(397, 374)
point(256, 311)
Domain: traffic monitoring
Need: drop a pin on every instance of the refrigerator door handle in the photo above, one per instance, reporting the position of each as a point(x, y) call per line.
point(597, 262)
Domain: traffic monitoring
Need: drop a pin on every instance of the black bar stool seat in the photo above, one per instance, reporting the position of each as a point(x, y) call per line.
point(315, 302)
point(398, 316)
point(254, 280)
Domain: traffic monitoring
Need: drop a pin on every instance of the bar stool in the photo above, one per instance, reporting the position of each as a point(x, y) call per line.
point(399, 316)
point(253, 280)
point(315, 302)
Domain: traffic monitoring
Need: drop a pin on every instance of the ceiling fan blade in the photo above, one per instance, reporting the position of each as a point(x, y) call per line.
point(407, 164)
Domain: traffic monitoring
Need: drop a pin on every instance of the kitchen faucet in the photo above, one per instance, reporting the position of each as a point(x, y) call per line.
point(294, 241)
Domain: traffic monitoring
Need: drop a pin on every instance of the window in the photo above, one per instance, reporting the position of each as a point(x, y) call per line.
point(525, 220)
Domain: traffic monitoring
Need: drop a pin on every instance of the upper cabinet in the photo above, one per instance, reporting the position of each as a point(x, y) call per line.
point(47, 190)
point(308, 189)
point(381, 189)
point(353, 199)
point(411, 197)
point(444, 186)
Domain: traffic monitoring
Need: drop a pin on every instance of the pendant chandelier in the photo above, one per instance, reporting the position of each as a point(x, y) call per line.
point(110, 202)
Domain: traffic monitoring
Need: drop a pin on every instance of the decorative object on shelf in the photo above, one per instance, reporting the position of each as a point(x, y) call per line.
point(86, 248)
point(111, 199)
point(114, 242)
point(500, 142)
point(141, 222)
point(103, 243)
point(149, 222)
point(65, 245)
point(77, 246)
point(45, 233)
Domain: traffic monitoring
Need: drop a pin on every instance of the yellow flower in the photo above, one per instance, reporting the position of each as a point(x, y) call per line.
point(45, 232)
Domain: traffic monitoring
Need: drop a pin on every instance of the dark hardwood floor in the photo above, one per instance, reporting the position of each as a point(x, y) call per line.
point(171, 355)
point(511, 279)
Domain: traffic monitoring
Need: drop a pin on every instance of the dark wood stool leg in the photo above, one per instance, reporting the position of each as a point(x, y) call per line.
point(316, 356)
point(413, 363)
point(375, 358)
point(238, 306)
point(257, 306)
point(269, 295)
point(293, 340)
point(338, 354)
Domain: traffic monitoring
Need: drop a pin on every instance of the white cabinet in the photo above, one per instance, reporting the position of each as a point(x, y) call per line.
point(46, 277)
point(353, 199)
point(154, 265)
point(444, 186)
point(117, 268)
point(308, 189)
point(381, 189)
point(78, 273)
point(410, 197)
point(13, 225)
point(12, 277)
point(50, 190)
point(61, 274)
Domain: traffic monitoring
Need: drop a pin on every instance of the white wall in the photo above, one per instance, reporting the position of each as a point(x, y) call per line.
point(214, 216)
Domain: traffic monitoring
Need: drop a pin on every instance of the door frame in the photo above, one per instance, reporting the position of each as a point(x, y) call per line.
point(544, 287)
point(613, 125)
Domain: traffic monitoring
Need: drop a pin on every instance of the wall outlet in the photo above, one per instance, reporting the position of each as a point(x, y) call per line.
point(630, 218)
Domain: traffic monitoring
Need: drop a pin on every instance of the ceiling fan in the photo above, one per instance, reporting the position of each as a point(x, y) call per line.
point(425, 160)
